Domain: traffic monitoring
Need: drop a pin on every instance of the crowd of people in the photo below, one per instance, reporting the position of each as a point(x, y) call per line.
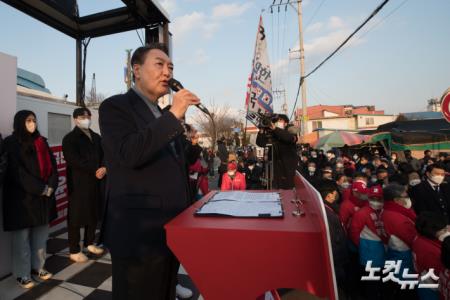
point(383, 209)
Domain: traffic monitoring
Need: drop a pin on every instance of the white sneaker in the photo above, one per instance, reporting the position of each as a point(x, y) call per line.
point(183, 293)
point(79, 257)
point(95, 250)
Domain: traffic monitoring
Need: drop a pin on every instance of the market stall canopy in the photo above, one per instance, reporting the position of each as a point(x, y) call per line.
point(415, 125)
point(339, 139)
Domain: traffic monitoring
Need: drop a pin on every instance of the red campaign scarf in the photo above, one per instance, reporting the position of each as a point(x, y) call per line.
point(392, 206)
point(43, 156)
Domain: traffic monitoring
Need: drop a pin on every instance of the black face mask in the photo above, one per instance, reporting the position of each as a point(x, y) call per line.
point(335, 206)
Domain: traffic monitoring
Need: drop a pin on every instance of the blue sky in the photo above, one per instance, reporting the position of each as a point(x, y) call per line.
point(399, 64)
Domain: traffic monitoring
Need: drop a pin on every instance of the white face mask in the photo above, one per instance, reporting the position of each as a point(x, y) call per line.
point(345, 185)
point(373, 179)
point(407, 203)
point(280, 125)
point(414, 182)
point(30, 126)
point(231, 173)
point(376, 204)
point(355, 157)
point(251, 167)
point(84, 124)
point(311, 169)
point(437, 179)
point(313, 154)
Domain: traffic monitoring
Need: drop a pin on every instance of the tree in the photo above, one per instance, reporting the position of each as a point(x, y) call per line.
point(220, 124)
point(401, 117)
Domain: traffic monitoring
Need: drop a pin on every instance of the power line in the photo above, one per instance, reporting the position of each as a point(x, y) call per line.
point(302, 79)
point(382, 20)
point(137, 32)
point(314, 14)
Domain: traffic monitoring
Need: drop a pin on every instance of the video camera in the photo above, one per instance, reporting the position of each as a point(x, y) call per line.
point(262, 120)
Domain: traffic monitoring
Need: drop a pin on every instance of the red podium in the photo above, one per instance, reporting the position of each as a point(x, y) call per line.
point(242, 258)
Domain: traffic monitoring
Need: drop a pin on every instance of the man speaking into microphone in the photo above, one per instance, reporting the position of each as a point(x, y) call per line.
point(147, 180)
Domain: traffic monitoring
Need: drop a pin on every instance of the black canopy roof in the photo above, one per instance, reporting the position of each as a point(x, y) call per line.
point(63, 16)
point(431, 125)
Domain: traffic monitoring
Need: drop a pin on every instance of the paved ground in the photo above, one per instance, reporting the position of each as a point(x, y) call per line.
point(75, 281)
point(72, 281)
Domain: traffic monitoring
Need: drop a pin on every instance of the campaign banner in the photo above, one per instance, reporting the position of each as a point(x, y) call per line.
point(61, 193)
point(259, 93)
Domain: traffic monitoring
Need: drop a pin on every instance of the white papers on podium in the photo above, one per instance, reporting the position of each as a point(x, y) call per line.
point(243, 204)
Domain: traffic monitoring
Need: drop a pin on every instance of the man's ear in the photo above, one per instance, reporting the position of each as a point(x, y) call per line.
point(135, 70)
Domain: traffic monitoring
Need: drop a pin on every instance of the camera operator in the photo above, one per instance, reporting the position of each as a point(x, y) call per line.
point(284, 156)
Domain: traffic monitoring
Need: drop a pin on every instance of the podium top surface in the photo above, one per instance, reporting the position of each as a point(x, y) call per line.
point(308, 222)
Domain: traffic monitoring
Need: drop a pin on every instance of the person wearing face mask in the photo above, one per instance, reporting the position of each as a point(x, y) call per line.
point(233, 180)
point(414, 179)
point(399, 224)
point(253, 175)
point(432, 194)
point(382, 176)
point(331, 157)
point(354, 198)
point(338, 237)
point(311, 174)
point(285, 158)
point(367, 233)
point(29, 203)
point(432, 232)
point(339, 167)
point(84, 157)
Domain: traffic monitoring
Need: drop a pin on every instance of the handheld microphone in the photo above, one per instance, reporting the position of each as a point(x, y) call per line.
point(175, 86)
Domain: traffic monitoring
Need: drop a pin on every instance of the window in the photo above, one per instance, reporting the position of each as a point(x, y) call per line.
point(316, 125)
point(370, 121)
point(58, 126)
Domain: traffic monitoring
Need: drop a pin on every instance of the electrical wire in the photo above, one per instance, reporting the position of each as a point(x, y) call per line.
point(137, 32)
point(314, 14)
point(302, 79)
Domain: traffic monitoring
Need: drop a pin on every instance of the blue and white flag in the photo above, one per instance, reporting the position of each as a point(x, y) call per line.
point(259, 92)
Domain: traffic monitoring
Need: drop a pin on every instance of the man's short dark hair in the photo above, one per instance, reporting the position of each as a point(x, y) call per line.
point(393, 190)
point(437, 165)
point(428, 223)
point(360, 174)
point(81, 111)
point(326, 188)
point(140, 53)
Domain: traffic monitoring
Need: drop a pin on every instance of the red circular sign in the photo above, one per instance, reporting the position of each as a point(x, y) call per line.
point(445, 105)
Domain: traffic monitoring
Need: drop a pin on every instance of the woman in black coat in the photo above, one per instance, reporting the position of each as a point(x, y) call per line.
point(29, 204)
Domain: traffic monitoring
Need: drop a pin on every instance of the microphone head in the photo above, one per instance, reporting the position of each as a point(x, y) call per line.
point(175, 85)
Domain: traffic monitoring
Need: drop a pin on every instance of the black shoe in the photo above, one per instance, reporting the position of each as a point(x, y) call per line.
point(42, 274)
point(25, 282)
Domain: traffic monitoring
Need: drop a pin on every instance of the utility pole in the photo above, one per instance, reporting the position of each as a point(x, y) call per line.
point(128, 75)
point(304, 122)
point(93, 94)
point(284, 107)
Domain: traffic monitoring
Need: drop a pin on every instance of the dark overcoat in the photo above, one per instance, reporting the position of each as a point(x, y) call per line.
point(83, 157)
point(23, 203)
point(147, 180)
point(285, 159)
point(425, 198)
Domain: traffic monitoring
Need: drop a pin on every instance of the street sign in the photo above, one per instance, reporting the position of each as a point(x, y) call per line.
point(445, 105)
